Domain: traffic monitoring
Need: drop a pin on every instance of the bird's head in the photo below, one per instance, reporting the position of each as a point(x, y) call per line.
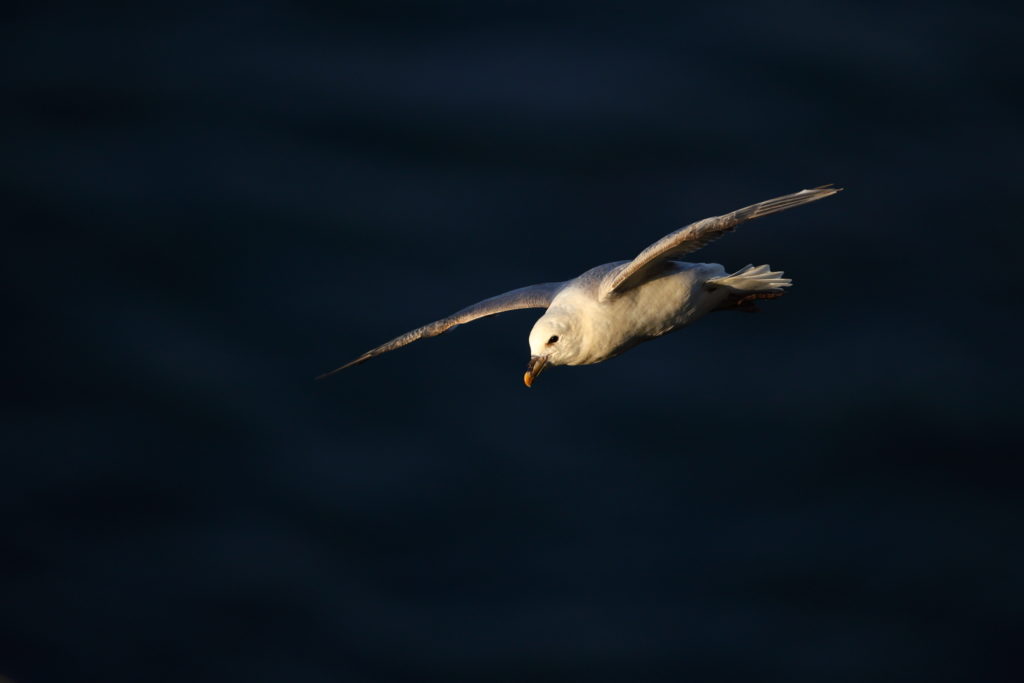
point(554, 340)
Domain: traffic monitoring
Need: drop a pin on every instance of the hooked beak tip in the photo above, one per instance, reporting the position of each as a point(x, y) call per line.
point(533, 369)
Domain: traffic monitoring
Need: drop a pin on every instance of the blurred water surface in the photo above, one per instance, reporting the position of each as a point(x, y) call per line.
point(211, 204)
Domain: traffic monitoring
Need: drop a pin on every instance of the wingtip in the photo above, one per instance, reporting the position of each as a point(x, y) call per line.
point(337, 370)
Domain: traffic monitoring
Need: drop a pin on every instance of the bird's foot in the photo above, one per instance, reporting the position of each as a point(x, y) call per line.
point(747, 301)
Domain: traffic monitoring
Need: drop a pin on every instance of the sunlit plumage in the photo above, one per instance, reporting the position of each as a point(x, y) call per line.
point(615, 306)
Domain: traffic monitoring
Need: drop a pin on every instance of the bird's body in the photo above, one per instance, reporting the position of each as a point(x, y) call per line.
point(615, 306)
point(663, 304)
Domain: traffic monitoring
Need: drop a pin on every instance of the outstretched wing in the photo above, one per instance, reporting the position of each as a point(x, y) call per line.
point(534, 296)
point(696, 235)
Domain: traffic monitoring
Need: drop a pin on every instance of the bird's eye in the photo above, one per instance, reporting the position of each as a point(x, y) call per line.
point(553, 339)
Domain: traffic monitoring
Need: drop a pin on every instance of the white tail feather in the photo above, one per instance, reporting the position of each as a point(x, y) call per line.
point(753, 279)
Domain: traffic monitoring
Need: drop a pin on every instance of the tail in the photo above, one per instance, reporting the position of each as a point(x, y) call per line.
point(751, 280)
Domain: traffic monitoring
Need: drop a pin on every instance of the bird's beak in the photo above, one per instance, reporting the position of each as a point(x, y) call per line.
point(533, 370)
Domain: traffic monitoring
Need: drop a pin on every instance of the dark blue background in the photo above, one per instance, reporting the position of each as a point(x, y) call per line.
point(209, 205)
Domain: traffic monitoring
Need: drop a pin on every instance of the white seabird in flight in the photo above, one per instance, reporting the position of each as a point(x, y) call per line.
point(615, 306)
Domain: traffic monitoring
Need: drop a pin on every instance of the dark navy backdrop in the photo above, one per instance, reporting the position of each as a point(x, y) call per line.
point(209, 205)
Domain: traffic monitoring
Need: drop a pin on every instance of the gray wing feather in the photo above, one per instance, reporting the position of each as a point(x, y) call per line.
point(533, 296)
point(696, 235)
